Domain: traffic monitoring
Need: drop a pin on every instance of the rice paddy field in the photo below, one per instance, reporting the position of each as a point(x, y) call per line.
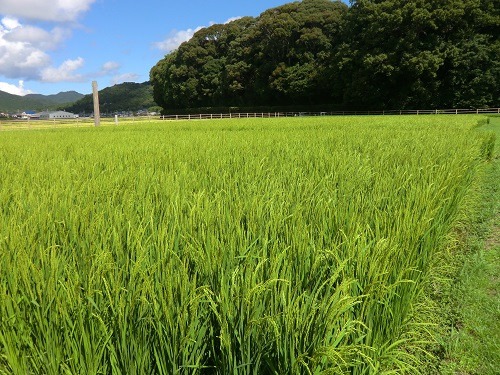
point(260, 246)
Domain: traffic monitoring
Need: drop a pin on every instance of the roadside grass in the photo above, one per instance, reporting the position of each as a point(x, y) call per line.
point(473, 345)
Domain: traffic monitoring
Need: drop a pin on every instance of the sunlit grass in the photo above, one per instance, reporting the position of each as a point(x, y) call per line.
point(276, 246)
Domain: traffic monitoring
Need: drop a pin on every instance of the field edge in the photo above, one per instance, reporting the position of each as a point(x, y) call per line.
point(469, 331)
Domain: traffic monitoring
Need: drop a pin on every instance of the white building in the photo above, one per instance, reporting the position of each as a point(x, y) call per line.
point(57, 115)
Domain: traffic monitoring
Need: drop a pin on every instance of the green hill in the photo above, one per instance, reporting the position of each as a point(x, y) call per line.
point(126, 96)
point(61, 98)
point(36, 102)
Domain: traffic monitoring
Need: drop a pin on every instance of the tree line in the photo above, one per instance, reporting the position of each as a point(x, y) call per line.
point(373, 54)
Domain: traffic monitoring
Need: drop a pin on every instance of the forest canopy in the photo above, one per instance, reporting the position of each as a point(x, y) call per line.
point(373, 54)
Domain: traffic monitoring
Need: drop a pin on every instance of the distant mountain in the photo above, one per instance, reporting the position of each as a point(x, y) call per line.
point(126, 96)
point(36, 102)
point(61, 98)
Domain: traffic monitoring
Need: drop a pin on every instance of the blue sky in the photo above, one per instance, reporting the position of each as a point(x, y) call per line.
point(49, 46)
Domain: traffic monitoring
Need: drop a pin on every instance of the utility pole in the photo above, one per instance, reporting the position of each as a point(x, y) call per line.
point(97, 114)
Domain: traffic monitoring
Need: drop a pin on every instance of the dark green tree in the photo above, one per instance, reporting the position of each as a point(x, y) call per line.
point(375, 54)
point(294, 47)
point(420, 53)
point(196, 74)
point(282, 57)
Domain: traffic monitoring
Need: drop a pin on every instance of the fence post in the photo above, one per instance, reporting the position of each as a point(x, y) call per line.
point(456, 111)
point(95, 97)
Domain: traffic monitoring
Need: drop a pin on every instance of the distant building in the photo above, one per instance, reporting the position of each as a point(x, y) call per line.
point(26, 115)
point(57, 115)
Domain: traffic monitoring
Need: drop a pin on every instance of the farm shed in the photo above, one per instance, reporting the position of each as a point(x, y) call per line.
point(57, 115)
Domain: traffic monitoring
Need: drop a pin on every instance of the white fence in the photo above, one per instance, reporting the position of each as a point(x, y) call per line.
point(211, 116)
point(17, 124)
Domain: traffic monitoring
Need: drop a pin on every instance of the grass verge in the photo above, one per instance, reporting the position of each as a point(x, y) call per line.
point(473, 344)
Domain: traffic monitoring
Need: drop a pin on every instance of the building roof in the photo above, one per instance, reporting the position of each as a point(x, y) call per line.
point(55, 113)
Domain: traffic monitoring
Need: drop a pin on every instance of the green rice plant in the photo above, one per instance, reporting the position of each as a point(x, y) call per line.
point(259, 246)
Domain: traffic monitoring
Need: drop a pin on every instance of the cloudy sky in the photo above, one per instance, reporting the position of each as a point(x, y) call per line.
point(49, 46)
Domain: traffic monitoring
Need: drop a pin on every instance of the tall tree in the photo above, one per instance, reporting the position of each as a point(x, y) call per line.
point(195, 74)
point(281, 57)
point(420, 53)
point(375, 54)
point(296, 46)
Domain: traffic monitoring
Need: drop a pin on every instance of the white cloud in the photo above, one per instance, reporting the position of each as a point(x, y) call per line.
point(232, 19)
point(10, 23)
point(37, 37)
point(107, 69)
point(176, 38)
point(13, 89)
point(127, 77)
point(20, 59)
point(66, 72)
point(110, 67)
point(23, 48)
point(48, 10)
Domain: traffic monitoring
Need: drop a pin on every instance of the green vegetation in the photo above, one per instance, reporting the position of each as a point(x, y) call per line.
point(277, 246)
point(126, 96)
point(279, 58)
point(375, 54)
point(472, 345)
point(36, 102)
